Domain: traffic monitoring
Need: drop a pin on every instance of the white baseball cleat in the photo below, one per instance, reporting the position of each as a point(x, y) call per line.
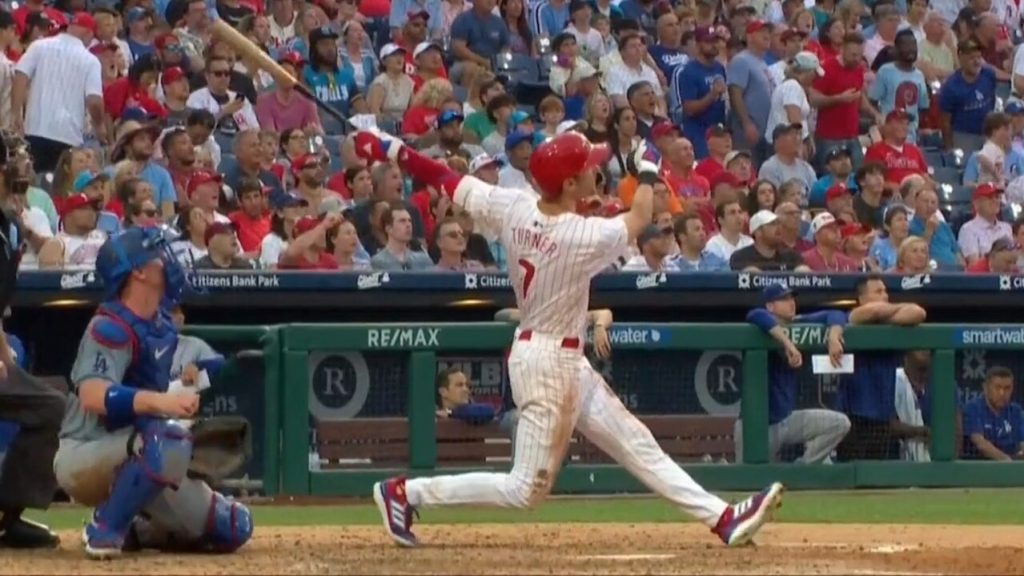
point(741, 521)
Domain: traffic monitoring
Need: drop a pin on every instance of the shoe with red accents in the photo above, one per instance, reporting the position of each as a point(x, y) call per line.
point(395, 511)
point(741, 521)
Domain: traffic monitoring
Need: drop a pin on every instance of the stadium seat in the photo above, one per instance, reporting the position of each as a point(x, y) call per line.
point(961, 195)
point(1003, 91)
point(332, 144)
point(225, 141)
point(544, 64)
point(531, 93)
point(532, 111)
point(930, 140)
point(934, 158)
point(954, 158)
point(516, 67)
point(946, 175)
point(332, 126)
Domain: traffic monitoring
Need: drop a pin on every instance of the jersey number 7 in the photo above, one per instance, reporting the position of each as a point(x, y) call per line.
point(528, 271)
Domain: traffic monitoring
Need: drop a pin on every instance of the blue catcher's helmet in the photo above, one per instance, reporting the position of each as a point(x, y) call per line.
point(132, 249)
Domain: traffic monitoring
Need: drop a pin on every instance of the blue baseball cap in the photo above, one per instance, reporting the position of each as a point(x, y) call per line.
point(775, 292)
point(518, 117)
point(516, 138)
point(447, 117)
point(1014, 108)
point(87, 178)
point(135, 14)
point(287, 200)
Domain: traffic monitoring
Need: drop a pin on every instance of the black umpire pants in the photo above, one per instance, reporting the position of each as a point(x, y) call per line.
point(27, 479)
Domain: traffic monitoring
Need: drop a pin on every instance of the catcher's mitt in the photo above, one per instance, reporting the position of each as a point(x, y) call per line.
point(220, 446)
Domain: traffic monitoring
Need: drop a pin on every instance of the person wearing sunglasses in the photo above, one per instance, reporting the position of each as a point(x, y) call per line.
point(451, 241)
point(655, 245)
point(141, 214)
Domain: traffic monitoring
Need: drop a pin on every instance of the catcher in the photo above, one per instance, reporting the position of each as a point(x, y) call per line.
point(124, 447)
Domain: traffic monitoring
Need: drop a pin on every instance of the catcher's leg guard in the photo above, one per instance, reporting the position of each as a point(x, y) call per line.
point(228, 525)
point(162, 461)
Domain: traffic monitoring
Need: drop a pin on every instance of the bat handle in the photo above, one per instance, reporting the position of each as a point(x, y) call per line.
point(305, 91)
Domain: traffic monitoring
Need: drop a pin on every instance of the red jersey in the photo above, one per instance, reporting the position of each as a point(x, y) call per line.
point(250, 231)
point(121, 94)
point(337, 184)
point(708, 168)
point(694, 186)
point(839, 121)
point(978, 267)
point(419, 120)
point(421, 200)
point(899, 163)
point(325, 262)
point(418, 81)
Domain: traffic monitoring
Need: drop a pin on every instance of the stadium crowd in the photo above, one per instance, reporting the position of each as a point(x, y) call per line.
point(793, 136)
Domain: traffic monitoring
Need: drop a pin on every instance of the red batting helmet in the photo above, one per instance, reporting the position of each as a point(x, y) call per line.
point(563, 157)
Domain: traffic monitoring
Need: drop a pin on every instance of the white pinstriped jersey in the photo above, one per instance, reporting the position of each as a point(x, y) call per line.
point(551, 260)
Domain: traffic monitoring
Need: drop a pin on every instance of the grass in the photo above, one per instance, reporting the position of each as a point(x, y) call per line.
point(891, 507)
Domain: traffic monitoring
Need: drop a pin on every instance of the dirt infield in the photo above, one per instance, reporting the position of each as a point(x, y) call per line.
point(576, 549)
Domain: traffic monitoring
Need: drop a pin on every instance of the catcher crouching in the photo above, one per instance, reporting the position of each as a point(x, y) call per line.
point(126, 446)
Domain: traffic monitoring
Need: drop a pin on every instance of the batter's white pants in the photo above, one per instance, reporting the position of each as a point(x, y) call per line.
point(556, 391)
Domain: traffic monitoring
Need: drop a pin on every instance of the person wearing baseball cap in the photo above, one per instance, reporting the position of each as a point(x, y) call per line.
point(856, 239)
point(801, 73)
point(310, 173)
point(719, 142)
point(827, 254)
point(449, 138)
point(389, 94)
point(174, 82)
point(840, 171)
point(978, 234)
point(967, 96)
point(839, 201)
point(333, 84)
point(786, 164)
point(78, 240)
point(307, 249)
point(429, 64)
point(281, 109)
point(222, 249)
point(896, 152)
point(485, 168)
point(700, 87)
point(654, 245)
point(750, 90)
point(791, 41)
point(766, 254)
point(820, 431)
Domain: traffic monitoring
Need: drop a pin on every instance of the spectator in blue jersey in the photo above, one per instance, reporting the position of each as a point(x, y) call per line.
point(552, 17)
point(966, 97)
point(750, 92)
point(700, 87)
point(900, 85)
point(993, 422)
point(402, 9)
point(868, 396)
point(332, 84)
point(818, 430)
point(668, 52)
point(692, 239)
point(478, 35)
point(454, 400)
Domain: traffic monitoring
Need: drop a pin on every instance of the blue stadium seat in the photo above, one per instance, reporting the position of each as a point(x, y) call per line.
point(962, 195)
point(954, 159)
point(225, 141)
point(531, 93)
point(544, 65)
point(1003, 91)
point(931, 140)
point(331, 125)
point(532, 111)
point(946, 175)
point(332, 144)
point(934, 157)
point(336, 164)
point(516, 67)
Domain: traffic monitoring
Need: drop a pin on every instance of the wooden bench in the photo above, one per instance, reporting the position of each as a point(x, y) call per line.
point(384, 442)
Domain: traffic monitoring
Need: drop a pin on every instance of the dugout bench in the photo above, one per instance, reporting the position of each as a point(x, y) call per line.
point(363, 443)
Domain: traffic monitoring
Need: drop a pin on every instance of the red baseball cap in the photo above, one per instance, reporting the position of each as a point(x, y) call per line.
point(200, 178)
point(755, 25)
point(101, 47)
point(172, 75)
point(218, 228)
point(724, 177)
point(986, 191)
point(76, 201)
point(292, 57)
point(164, 39)
point(305, 161)
point(417, 14)
point(84, 20)
point(837, 190)
point(662, 129)
point(305, 224)
point(850, 230)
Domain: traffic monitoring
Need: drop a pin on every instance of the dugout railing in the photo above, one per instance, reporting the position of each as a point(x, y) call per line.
point(351, 363)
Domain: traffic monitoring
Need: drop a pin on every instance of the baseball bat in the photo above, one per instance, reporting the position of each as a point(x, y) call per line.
point(222, 31)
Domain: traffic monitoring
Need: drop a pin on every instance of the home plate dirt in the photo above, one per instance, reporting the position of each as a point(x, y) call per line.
point(575, 549)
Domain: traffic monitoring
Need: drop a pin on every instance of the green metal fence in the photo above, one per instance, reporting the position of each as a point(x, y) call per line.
point(419, 344)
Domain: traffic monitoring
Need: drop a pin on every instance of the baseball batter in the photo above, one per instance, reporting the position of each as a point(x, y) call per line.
point(121, 449)
point(553, 254)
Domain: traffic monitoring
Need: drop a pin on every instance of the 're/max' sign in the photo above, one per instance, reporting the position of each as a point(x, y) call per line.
point(402, 337)
point(808, 335)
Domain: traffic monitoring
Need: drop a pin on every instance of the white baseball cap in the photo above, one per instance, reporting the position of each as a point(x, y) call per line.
point(762, 218)
point(424, 46)
point(482, 161)
point(389, 49)
point(821, 221)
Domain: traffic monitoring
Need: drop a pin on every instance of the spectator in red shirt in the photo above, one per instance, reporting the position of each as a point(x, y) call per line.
point(429, 60)
point(677, 169)
point(723, 191)
point(738, 164)
point(109, 62)
point(133, 91)
point(827, 256)
point(899, 157)
point(252, 219)
point(1001, 259)
point(839, 202)
point(282, 109)
point(719, 146)
point(308, 248)
point(425, 106)
point(857, 239)
point(839, 97)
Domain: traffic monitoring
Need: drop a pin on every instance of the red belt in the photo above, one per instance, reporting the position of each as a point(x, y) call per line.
point(570, 343)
